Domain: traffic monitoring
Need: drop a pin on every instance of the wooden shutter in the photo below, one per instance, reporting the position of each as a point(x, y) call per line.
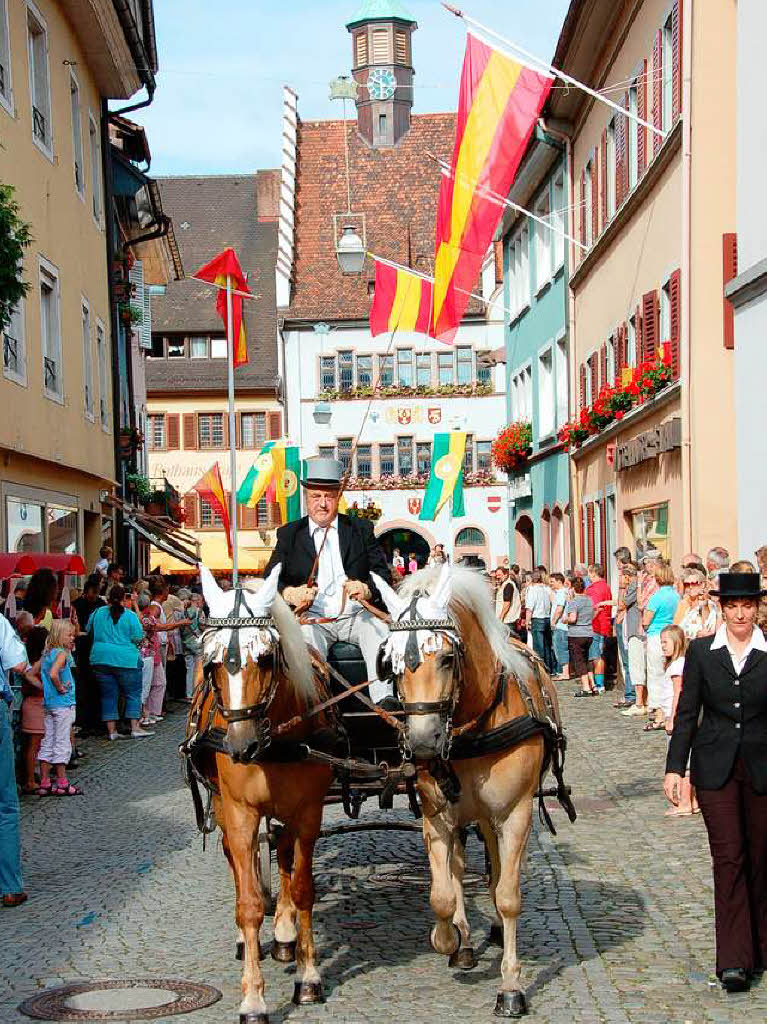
point(657, 90)
point(172, 432)
point(627, 127)
point(248, 517)
point(622, 351)
point(583, 386)
point(650, 325)
point(603, 367)
point(621, 163)
point(594, 198)
point(590, 532)
point(190, 510)
point(583, 208)
point(274, 425)
point(674, 317)
point(274, 513)
point(730, 270)
point(190, 431)
point(603, 533)
point(603, 182)
point(583, 533)
point(642, 112)
point(225, 422)
point(676, 65)
point(238, 430)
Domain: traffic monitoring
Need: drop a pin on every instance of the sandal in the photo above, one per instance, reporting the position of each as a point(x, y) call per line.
point(623, 704)
point(65, 788)
point(675, 812)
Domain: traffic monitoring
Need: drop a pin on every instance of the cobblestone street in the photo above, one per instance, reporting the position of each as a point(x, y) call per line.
point(617, 923)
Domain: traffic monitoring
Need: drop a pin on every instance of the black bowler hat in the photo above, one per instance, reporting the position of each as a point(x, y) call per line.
point(739, 585)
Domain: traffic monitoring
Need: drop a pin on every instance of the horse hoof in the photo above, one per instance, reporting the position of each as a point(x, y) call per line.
point(463, 959)
point(254, 1018)
point(307, 992)
point(452, 951)
point(239, 953)
point(510, 1004)
point(284, 952)
point(496, 935)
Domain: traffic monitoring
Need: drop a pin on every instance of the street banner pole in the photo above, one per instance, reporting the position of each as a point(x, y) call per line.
point(232, 427)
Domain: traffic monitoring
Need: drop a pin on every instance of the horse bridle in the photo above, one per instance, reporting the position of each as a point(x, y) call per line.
point(233, 660)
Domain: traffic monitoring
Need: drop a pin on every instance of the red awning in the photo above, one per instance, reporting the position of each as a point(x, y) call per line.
point(25, 563)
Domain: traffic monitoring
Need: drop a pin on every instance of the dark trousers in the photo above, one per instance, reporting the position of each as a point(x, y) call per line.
point(736, 821)
point(541, 630)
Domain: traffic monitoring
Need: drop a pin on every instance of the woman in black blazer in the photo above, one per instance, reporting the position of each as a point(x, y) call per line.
point(725, 677)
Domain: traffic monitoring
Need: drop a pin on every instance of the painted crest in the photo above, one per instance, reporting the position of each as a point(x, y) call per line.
point(435, 415)
point(289, 483)
point(447, 467)
point(404, 415)
point(414, 506)
point(494, 502)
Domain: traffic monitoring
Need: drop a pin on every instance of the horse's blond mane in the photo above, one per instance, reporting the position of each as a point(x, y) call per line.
point(300, 671)
point(472, 591)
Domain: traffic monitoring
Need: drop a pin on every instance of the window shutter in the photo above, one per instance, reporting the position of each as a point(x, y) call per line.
point(590, 532)
point(603, 533)
point(190, 431)
point(583, 533)
point(583, 386)
point(642, 112)
point(730, 270)
point(603, 367)
point(274, 513)
point(248, 517)
point(225, 425)
point(603, 182)
point(657, 89)
point(238, 430)
point(674, 317)
point(361, 48)
point(594, 198)
point(650, 325)
point(172, 436)
point(190, 510)
point(583, 208)
point(676, 66)
point(621, 351)
point(627, 127)
point(621, 163)
point(274, 425)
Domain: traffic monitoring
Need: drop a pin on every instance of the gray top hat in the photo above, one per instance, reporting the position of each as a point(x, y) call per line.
point(323, 473)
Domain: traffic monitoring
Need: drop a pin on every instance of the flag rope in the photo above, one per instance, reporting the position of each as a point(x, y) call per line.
point(542, 66)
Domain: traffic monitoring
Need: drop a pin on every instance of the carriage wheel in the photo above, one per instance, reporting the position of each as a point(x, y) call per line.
point(264, 855)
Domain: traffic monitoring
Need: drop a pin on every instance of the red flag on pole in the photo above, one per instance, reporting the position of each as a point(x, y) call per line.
point(211, 487)
point(216, 272)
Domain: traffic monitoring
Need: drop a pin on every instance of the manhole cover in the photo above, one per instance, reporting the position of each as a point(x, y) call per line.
point(134, 999)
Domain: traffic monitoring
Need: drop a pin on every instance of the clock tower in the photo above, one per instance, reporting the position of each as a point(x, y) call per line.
point(382, 66)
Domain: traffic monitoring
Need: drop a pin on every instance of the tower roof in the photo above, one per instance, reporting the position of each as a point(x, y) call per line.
point(380, 10)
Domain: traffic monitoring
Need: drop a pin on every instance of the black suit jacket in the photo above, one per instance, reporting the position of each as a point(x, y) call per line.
point(361, 554)
point(734, 719)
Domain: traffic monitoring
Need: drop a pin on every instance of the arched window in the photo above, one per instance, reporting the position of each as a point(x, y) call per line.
point(470, 537)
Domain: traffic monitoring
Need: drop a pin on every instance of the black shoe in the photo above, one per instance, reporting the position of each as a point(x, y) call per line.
point(735, 979)
point(389, 704)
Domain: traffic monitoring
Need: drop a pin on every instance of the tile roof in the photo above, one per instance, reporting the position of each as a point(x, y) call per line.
point(208, 214)
point(395, 187)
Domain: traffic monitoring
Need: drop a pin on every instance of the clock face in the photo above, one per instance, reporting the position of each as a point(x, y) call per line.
point(381, 84)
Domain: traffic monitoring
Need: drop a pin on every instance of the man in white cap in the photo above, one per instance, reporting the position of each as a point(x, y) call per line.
point(327, 559)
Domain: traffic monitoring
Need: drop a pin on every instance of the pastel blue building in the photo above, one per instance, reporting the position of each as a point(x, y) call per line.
point(536, 343)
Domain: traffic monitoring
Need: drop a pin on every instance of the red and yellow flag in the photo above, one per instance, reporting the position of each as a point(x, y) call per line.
point(499, 103)
point(402, 301)
point(216, 272)
point(211, 487)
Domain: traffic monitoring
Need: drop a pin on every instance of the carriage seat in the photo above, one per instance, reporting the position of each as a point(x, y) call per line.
point(365, 726)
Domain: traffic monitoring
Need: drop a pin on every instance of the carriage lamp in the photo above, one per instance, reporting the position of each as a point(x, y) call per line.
point(350, 251)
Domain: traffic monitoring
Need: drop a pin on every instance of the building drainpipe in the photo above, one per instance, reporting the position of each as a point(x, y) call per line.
point(688, 530)
point(572, 475)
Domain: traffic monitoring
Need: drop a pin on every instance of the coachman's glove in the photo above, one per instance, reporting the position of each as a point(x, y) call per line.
point(299, 597)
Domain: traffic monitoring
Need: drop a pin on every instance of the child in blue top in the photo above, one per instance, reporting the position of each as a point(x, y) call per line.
point(58, 710)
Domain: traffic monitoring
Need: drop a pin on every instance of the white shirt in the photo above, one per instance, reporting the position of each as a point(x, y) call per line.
point(756, 643)
point(538, 601)
point(331, 575)
point(12, 653)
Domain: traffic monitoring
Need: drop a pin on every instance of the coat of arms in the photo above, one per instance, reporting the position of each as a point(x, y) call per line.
point(404, 415)
point(435, 415)
point(414, 506)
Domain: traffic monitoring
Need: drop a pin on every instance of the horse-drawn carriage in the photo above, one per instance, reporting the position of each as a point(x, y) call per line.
point(275, 734)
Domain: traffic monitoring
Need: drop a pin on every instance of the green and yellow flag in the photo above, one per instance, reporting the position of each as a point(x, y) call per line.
point(287, 474)
point(253, 487)
point(445, 475)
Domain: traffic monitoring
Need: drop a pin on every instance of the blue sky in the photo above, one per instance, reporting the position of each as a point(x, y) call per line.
point(218, 103)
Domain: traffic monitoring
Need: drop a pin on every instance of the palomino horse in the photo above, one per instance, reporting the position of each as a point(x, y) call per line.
point(258, 675)
point(459, 678)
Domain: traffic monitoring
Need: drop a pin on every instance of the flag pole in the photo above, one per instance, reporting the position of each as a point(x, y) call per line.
point(232, 428)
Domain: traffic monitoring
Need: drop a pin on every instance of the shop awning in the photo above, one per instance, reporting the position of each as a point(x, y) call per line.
point(27, 562)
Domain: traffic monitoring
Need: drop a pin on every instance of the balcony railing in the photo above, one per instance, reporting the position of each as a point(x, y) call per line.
point(39, 126)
